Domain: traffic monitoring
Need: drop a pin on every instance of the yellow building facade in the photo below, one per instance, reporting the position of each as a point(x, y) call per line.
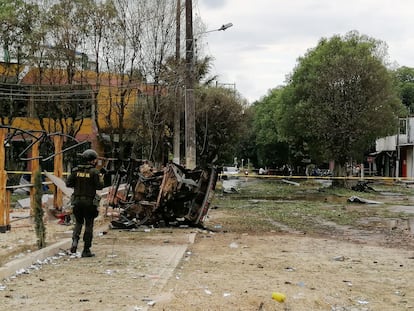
point(107, 94)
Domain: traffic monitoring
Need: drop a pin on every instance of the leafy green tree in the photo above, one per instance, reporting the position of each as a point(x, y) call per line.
point(247, 148)
point(271, 151)
point(17, 24)
point(339, 99)
point(18, 19)
point(219, 124)
point(404, 80)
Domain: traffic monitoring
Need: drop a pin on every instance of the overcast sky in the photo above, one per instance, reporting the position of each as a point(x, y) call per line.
point(268, 36)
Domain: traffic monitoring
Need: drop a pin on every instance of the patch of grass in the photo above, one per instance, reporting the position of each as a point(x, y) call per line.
point(16, 197)
point(261, 206)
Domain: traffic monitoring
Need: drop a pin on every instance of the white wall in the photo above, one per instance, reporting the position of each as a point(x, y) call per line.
point(388, 143)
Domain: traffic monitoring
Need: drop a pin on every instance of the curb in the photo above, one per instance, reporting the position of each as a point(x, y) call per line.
point(11, 267)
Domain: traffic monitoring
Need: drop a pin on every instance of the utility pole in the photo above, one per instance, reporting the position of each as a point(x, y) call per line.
point(177, 111)
point(190, 132)
point(190, 124)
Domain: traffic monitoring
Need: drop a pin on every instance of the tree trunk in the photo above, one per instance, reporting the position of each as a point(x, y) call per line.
point(339, 175)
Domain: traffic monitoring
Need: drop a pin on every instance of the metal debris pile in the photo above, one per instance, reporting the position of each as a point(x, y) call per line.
point(173, 196)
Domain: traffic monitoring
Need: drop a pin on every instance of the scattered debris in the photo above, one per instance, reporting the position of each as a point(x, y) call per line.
point(291, 182)
point(35, 266)
point(363, 302)
point(25, 203)
point(60, 183)
point(230, 190)
point(279, 297)
point(230, 186)
point(355, 199)
point(349, 283)
point(362, 186)
point(24, 180)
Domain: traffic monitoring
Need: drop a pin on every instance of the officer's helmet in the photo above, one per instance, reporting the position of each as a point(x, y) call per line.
point(89, 155)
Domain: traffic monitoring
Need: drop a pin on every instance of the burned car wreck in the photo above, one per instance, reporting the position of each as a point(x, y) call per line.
point(173, 196)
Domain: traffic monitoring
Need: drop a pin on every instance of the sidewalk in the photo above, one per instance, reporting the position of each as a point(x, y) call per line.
point(128, 272)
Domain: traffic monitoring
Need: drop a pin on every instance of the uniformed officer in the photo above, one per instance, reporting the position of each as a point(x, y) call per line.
point(85, 179)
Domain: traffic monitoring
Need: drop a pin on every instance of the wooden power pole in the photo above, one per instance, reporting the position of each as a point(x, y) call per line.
point(190, 131)
point(177, 112)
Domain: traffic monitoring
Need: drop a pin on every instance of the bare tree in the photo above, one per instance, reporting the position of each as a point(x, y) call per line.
point(135, 57)
point(157, 55)
point(61, 98)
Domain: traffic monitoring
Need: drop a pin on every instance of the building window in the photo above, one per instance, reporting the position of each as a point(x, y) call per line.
point(403, 126)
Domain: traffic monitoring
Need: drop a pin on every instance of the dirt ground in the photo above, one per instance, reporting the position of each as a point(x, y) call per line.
point(240, 272)
point(194, 269)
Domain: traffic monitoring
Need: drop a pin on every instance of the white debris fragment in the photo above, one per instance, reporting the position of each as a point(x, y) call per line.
point(37, 265)
point(22, 271)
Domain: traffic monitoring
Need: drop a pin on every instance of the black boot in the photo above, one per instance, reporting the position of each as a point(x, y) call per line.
point(87, 253)
point(74, 246)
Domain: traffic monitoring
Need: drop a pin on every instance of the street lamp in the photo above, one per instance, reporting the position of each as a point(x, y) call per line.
point(190, 128)
point(225, 26)
point(222, 28)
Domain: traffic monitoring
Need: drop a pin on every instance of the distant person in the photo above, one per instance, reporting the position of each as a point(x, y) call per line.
point(286, 170)
point(85, 179)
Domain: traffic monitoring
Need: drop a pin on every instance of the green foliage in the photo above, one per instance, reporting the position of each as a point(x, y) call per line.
point(340, 99)
point(17, 23)
point(264, 121)
point(247, 148)
point(38, 212)
point(271, 150)
point(404, 81)
point(219, 124)
point(7, 9)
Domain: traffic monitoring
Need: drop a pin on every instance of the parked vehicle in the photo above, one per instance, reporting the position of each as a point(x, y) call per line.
point(230, 172)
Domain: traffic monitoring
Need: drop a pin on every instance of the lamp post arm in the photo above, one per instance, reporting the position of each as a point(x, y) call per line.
point(222, 28)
